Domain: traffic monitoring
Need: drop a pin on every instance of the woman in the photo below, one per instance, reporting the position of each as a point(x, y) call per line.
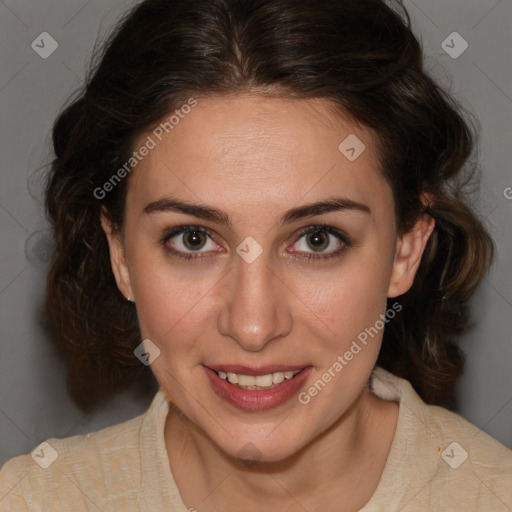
point(265, 192)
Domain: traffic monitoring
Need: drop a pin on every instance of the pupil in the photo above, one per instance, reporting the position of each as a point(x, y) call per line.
point(194, 239)
point(318, 240)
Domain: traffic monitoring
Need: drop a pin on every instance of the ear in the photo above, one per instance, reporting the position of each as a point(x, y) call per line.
point(408, 253)
point(117, 255)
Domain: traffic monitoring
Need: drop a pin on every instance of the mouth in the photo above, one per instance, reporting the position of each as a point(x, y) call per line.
point(253, 389)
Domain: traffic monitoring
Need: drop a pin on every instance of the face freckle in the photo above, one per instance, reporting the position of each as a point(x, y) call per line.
point(295, 249)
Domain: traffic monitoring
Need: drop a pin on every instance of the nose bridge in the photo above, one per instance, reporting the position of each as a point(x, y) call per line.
point(255, 309)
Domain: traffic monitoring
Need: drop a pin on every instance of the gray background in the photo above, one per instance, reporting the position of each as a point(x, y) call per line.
point(33, 400)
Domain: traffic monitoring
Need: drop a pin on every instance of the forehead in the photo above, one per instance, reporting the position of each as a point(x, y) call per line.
point(261, 150)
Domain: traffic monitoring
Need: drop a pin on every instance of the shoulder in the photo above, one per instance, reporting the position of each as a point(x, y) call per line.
point(440, 423)
point(447, 459)
point(78, 472)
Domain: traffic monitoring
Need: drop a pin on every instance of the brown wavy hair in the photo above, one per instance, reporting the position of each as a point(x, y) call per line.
point(362, 55)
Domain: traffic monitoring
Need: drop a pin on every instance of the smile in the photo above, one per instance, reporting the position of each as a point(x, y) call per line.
point(256, 392)
point(268, 381)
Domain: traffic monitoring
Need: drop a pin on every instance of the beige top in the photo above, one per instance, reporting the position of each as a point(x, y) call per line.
point(438, 462)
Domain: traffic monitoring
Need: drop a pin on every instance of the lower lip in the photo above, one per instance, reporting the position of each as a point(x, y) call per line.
point(257, 399)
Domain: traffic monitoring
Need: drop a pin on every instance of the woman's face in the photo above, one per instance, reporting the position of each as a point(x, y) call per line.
point(225, 278)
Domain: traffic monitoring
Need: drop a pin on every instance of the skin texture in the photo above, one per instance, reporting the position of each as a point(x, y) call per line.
point(254, 158)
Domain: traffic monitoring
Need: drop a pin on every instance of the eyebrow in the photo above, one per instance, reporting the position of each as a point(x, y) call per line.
point(168, 204)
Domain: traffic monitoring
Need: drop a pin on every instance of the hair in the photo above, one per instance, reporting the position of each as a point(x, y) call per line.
point(359, 54)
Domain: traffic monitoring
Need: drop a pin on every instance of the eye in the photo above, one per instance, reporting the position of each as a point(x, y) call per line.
point(190, 242)
point(319, 239)
point(184, 241)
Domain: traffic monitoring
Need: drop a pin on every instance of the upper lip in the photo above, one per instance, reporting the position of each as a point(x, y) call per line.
point(255, 370)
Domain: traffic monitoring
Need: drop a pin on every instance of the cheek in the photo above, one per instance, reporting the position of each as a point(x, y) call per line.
point(173, 300)
point(348, 300)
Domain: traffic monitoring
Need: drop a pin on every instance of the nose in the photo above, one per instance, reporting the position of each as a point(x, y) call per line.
point(255, 307)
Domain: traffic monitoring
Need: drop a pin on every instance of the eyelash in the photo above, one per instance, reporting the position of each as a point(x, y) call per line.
point(315, 258)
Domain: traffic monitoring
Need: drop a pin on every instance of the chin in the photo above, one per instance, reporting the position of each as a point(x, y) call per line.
point(251, 452)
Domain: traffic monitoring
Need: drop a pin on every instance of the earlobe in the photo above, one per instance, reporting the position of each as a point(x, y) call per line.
point(117, 255)
point(409, 250)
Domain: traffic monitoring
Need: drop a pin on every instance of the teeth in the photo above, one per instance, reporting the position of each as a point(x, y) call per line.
point(263, 381)
point(233, 378)
point(277, 377)
point(258, 382)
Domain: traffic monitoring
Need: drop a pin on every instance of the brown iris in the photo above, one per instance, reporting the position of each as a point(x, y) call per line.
point(318, 240)
point(194, 239)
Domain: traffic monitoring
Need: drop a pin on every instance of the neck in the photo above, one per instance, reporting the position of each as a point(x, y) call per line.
point(345, 462)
